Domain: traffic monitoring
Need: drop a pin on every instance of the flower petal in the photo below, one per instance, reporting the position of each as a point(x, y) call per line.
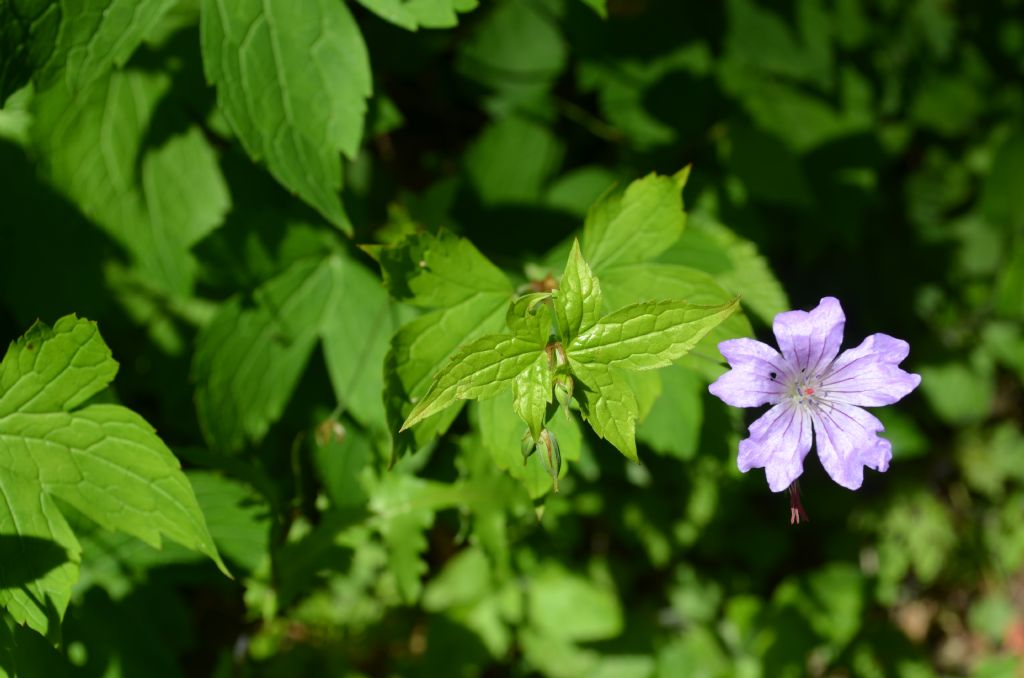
point(757, 375)
point(868, 375)
point(847, 441)
point(778, 442)
point(810, 340)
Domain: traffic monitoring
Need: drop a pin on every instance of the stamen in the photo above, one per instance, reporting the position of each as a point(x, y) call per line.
point(796, 509)
point(809, 391)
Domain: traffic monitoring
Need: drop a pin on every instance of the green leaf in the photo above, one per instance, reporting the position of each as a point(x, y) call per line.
point(635, 225)
point(529, 317)
point(292, 80)
point(156, 202)
point(35, 587)
point(238, 518)
point(578, 300)
point(473, 297)
point(733, 262)
point(599, 6)
point(517, 47)
point(355, 340)
point(608, 404)
point(441, 270)
point(673, 425)
point(70, 42)
point(531, 392)
point(572, 607)
point(1001, 198)
point(414, 14)
point(512, 161)
point(479, 370)
point(647, 335)
point(103, 460)
point(248, 360)
point(500, 433)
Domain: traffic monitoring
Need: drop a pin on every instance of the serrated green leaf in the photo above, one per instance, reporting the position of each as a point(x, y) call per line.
point(531, 392)
point(35, 587)
point(441, 270)
point(292, 80)
point(156, 202)
point(478, 370)
point(635, 225)
point(647, 335)
point(629, 283)
point(103, 460)
point(578, 299)
point(607, 403)
point(248, 360)
point(529, 317)
point(414, 14)
point(473, 295)
point(72, 43)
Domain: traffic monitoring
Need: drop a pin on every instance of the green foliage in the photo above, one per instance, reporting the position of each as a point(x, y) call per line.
point(103, 460)
point(384, 274)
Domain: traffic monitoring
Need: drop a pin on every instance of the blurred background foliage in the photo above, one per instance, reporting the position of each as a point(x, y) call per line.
point(870, 149)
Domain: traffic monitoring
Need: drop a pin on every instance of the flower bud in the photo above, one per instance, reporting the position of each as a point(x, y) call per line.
point(552, 456)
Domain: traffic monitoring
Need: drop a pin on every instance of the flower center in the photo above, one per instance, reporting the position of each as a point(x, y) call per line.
point(805, 390)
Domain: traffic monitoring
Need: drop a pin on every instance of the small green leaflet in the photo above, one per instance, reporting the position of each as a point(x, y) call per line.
point(532, 390)
point(578, 299)
point(103, 460)
point(292, 79)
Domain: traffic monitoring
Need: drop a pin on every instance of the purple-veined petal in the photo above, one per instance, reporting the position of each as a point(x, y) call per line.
point(869, 375)
point(778, 442)
point(756, 377)
point(810, 340)
point(847, 441)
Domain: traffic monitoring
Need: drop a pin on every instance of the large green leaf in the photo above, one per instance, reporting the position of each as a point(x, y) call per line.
point(103, 460)
point(647, 335)
point(248, 360)
point(480, 369)
point(292, 79)
point(157, 202)
point(72, 43)
point(470, 296)
point(355, 340)
point(635, 225)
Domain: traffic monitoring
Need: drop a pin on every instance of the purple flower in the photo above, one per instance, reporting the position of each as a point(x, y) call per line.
point(810, 388)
